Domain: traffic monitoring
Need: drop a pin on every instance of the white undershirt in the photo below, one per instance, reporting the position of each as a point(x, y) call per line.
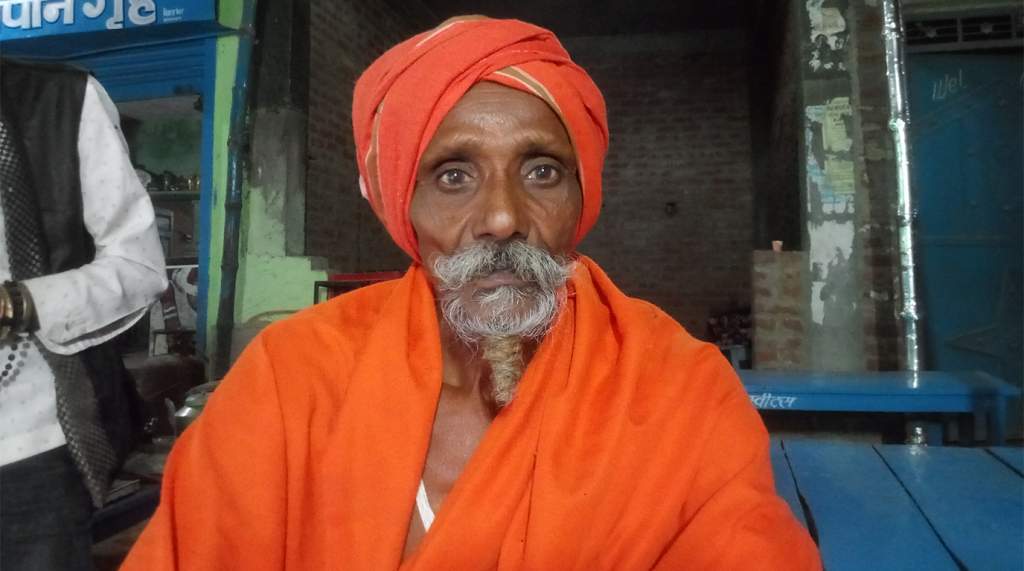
point(423, 507)
point(91, 304)
point(28, 409)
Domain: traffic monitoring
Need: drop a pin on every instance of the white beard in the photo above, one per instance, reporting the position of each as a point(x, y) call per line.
point(526, 311)
point(499, 320)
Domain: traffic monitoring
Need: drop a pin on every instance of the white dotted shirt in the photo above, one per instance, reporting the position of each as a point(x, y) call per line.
point(91, 304)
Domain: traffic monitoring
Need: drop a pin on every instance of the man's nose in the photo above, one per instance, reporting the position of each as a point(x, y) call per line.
point(502, 214)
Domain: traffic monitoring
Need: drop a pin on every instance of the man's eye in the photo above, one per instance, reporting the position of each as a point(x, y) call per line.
point(453, 178)
point(549, 174)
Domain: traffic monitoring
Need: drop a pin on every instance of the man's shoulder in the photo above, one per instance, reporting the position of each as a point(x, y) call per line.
point(670, 351)
point(317, 346)
point(674, 366)
point(664, 333)
point(639, 318)
point(349, 316)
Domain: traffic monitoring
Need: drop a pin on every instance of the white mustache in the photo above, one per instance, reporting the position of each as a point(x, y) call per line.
point(527, 263)
point(519, 311)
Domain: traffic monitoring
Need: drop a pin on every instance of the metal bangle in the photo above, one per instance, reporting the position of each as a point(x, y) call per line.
point(22, 310)
point(6, 313)
point(28, 309)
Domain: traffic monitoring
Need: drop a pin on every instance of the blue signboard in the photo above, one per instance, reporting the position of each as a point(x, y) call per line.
point(23, 19)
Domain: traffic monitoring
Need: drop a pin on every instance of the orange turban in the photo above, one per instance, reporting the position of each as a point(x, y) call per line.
point(402, 98)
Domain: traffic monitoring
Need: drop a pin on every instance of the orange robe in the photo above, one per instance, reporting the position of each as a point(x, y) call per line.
point(630, 445)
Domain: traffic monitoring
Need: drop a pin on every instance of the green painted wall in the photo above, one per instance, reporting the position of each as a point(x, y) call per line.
point(227, 56)
point(270, 284)
point(167, 145)
point(230, 12)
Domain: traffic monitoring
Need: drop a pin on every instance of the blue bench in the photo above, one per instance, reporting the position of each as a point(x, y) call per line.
point(922, 392)
point(905, 507)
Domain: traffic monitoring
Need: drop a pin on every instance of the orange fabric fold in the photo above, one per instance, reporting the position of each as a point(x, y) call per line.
point(630, 445)
point(401, 99)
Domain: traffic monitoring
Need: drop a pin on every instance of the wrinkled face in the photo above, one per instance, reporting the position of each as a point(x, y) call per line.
point(495, 210)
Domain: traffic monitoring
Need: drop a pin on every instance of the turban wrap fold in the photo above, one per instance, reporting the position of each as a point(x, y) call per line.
point(401, 99)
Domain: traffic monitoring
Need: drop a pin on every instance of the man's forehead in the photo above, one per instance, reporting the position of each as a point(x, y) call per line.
point(492, 110)
point(488, 97)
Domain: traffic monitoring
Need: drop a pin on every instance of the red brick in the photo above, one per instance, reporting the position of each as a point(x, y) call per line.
point(793, 325)
point(763, 324)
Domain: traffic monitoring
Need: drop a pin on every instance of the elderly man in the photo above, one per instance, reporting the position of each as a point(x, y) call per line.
point(504, 384)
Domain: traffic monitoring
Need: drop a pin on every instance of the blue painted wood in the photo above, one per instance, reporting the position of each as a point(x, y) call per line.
point(974, 501)
point(75, 20)
point(863, 517)
point(149, 72)
point(66, 47)
point(967, 158)
point(884, 391)
point(206, 196)
point(784, 484)
point(1012, 457)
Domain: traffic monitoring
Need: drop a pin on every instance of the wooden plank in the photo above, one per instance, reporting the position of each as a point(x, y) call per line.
point(1012, 457)
point(972, 499)
point(784, 484)
point(863, 517)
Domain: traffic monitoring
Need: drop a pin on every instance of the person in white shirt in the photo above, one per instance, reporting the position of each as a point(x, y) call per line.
point(81, 262)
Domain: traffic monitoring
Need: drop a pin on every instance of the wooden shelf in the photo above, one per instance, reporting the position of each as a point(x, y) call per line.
point(182, 261)
point(173, 196)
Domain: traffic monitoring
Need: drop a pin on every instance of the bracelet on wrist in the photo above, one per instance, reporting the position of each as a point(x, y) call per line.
point(6, 313)
point(19, 312)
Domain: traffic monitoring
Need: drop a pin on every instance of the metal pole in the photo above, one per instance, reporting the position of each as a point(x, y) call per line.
point(895, 70)
point(238, 143)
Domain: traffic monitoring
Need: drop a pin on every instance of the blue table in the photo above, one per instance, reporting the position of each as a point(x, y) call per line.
point(1012, 457)
point(905, 507)
point(972, 392)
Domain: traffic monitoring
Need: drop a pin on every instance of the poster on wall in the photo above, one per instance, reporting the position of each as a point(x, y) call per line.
point(21, 19)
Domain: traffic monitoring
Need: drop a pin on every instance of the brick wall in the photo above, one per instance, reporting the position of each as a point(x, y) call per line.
point(676, 224)
point(345, 37)
point(877, 240)
point(779, 310)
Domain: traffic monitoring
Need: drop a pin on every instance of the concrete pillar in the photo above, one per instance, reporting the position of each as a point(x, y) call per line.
point(834, 335)
point(845, 187)
point(275, 279)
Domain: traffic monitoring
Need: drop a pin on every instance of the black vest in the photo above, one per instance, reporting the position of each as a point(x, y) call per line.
point(44, 104)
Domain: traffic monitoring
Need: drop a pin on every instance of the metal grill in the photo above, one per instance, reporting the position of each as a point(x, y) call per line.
point(966, 31)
